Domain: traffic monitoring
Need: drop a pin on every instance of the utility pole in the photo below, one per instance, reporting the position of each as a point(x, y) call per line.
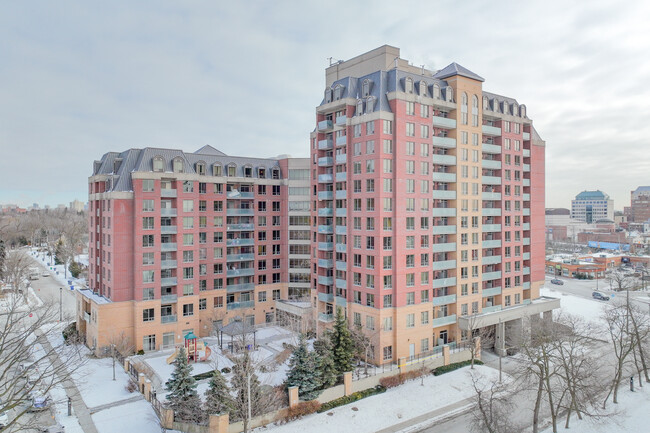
point(60, 304)
point(248, 385)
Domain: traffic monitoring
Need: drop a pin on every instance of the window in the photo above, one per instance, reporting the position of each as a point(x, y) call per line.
point(147, 206)
point(147, 276)
point(261, 297)
point(424, 318)
point(387, 352)
point(203, 304)
point(147, 241)
point(147, 185)
point(410, 320)
point(388, 325)
point(388, 301)
point(158, 164)
point(148, 315)
point(148, 259)
point(410, 298)
point(147, 223)
point(188, 310)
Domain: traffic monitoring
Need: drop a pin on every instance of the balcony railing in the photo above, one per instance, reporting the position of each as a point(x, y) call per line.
point(444, 300)
point(444, 282)
point(491, 309)
point(491, 130)
point(491, 260)
point(240, 227)
point(325, 195)
point(325, 317)
point(168, 299)
point(441, 194)
point(168, 264)
point(443, 122)
point(446, 142)
point(244, 272)
point(168, 212)
point(443, 230)
point(442, 321)
point(444, 248)
point(491, 211)
point(491, 148)
point(491, 164)
point(341, 120)
point(443, 264)
point(326, 297)
point(170, 318)
point(443, 177)
point(325, 178)
point(238, 305)
point(168, 230)
point(240, 194)
point(494, 275)
point(236, 288)
point(492, 291)
point(526, 136)
point(491, 180)
point(168, 281)
point(325, 161)
point(326, 144)
point(325, 211)
point(487, 228)
point(491, 243)
point(239, 257)
point(324, 125)
point(168, 193)
point(444, 159)
point(240, 242)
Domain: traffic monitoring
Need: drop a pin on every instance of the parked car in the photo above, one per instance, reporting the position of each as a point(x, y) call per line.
point(4, 420)
point(40, 402)
point(56, 428)
point(600, 296)
point(558, 282)
point(46, 273)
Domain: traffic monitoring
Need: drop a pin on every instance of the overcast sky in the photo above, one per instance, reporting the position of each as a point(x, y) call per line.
point(79, 79)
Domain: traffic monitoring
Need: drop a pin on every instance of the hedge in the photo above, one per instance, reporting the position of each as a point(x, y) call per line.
point(398, 379)
point(302, 409)
point(455, 366)
point(355, 396)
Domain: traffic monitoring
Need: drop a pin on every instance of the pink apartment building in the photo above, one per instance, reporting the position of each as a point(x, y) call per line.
point(185, 242)
point(427, 205)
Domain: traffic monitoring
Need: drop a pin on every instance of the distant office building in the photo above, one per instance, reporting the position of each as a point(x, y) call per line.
point(77, 206)
point(639, 210)
point(591, 206)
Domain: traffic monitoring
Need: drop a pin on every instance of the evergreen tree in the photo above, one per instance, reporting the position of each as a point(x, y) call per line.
point(342, 344)
point(325, 360)
point(303, 371)
point(217, 396)
point(182, 396)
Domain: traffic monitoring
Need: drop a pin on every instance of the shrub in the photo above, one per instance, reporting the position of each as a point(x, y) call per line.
point(131, 386)
point(351, 398)
point(140, 352)
point(70, 334)
point(75, 269)
point(225, 370)
point(302, 409)
point(455, 366)
point(206, 375)
point(398, 379)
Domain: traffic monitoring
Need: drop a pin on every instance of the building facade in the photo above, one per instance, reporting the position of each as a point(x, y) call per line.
point(591, 206)
point(427, 203)
point(185, 242)
point(639, 210)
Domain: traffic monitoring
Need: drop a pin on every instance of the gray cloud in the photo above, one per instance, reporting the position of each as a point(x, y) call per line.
point(80, 79)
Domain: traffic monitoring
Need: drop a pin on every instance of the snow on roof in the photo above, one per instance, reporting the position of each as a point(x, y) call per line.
point(94, 297)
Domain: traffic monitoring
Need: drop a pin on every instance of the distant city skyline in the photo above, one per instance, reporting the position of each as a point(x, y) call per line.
point(74, 84)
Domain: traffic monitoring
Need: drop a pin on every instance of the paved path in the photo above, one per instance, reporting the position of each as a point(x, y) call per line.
point(435, 416)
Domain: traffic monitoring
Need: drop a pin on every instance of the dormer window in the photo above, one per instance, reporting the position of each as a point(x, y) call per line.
point(177, 165)
point(423, 88)
point(486, 103)
point(505, 108)
point(370, 104)
point(217, 170)
point(248, 171)
point(436, 91)
point(495, 105)
point(515, 109)
point(522, 111)
point(232, 170)
point(338, 92)
point(449, 94)
point(275, 173)
point(261, 173)
point(408, 85)
point(200, 168)
point(158, 163)
point(365, 88)
point(359, 107)
point(328, 95)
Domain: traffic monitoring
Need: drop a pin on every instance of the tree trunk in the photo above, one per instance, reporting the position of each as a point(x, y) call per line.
point(538, 405)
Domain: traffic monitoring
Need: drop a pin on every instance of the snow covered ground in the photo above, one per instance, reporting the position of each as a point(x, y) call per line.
point(136, 416)
point(590, 310)
point(392, 407)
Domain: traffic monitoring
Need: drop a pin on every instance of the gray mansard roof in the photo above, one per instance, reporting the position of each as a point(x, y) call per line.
point(456, 69)
point(120, 165)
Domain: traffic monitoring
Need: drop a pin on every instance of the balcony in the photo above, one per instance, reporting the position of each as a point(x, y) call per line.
point(446, 142)
point(526, 182)
point(526, 241)
point(444, 300)
point(491, 180)
point(439, 283)
point(526, 197)
point(341, 302)
point(325, 161)
point(526, 271)
point(341, 140)
point(341, 266)
point(325, 125)
point(325, 144)
point(525, 211)
point(341, 158)
point(526, 285)
point(326, 317)
point(170, 318)
point(494, 275)
point(341, 248)
point(326, 263)
point(239, 257)
point(325, 195)
point(168, 230)
point(326, 297)
point(444, 122)
point(526, 136)
point(240, 227)
point(493, 291)
point(444, 159)
point(241, 242)
point(341, 176)
point(244, 272)
point(341, 230)
point(233, 211)
point(491, 195)
point(443, 177)
point(239, 305)
point(325, 211)
point(341, 211)
point(168, 193)
point(491, 309)
point(168, 264)
point(240, 194)
point(341, 284)
point(243, 287)
point(168, 281)
point(444, 248)
point(526, 167)
point(325, 229)
point(525, 256)
point(170, 212)
point(526, 153)
point(491, 148)
point(441, 194)
point(491, 164)
point(443, 264)
point(444, 230)
point(326, 246)
point(525, 226)
point(168, 246)
point(494, 243)
point(490, 228)
point(341, 120)
point(491, 130)
point(341, 194)
point(442, 321)
point(444, 212)
point(325, 178)
point(491, 211)
point(491, 260)
point(169, 299)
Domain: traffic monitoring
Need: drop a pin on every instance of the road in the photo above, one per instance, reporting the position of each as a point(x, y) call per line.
point(50, 290)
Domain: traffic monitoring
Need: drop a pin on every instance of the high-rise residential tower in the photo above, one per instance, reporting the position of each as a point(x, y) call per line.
point(427, 204)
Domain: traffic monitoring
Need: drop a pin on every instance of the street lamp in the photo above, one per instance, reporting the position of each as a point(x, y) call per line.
point(60, 304)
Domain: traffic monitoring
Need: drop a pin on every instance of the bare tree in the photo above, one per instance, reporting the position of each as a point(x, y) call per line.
point(478, 336)
point(640, 329)
point(30, 361)
point(494, 407)
point(17, 270)
point(119, 346)
point(364, 341)
point(617, 319)
point(620, 281)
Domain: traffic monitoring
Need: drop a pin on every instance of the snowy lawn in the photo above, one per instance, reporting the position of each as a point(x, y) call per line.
point(136, 416)
point(392, 407)
point(590, 310)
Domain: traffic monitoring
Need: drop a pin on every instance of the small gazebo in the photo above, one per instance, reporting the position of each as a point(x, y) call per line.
point(238, 332)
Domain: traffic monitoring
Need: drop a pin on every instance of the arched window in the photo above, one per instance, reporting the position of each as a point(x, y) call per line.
point(261, 172)
point(522, 111)
point(158, 163)
point(436, 91)
point(328, 95)
point(365, 88)
point(275, 173)
point(474, 110)
point(217, 169)
point(506, 108)
point(423, 88)
point(408, 85)
point(338, 92)
point(359, 111)
point(231, 170)
point(515, 109)
point(200, 168)
point(177, 165)
point(486, 103)
point(370, 104)
point(495, 105)
point(248, 170)
point(449, 94)
point(463, 108)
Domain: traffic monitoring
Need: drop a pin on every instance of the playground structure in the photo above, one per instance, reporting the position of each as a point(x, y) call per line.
point(197, 351)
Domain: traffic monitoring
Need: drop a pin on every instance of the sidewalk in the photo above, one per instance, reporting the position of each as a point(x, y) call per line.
point(80, 409)
point(428, 419)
